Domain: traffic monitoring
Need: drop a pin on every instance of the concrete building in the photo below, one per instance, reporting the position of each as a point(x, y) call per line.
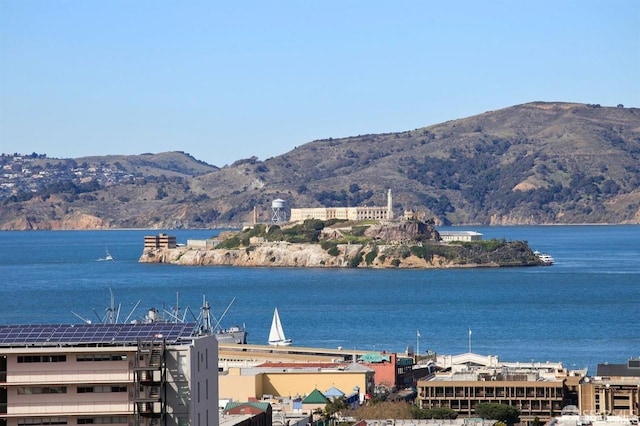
point(345, 213)
point(130, 374)
point(538, 390)
point(614, 390)
point(159, 241)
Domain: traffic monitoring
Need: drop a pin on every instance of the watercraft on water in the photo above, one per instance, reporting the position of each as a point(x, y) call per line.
point(205, 320)
point(544, 257)
point(107, 257)
point(234, 334)
point(276, 334)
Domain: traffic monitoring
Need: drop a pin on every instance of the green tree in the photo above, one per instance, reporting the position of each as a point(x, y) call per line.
point(356, 260)
point(501, 412)
point(334, 406)
point(434, 413)
point(370, 257)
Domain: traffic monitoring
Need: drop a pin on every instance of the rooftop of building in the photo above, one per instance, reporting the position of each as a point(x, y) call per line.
point(630, 369)
point(233, 419)
point(300, 367)
point(59, 335)
point(459, 232)
point(497, 375)
point(475, 367)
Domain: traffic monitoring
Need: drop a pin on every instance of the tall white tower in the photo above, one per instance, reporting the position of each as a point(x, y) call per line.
point(389, 206)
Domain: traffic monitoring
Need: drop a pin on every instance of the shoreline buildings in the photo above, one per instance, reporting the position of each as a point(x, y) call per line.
point(158, 373)
point(540, 391)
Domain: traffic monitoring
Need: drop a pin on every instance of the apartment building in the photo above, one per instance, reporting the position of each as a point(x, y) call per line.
point(112, 374)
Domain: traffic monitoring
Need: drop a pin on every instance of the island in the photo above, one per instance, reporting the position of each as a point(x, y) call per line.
point(335, 243)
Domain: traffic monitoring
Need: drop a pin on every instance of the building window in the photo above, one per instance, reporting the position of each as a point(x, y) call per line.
point(182, 365)
point(101, 389)
point(38, 390)
point(41, 358)
point(101, 357)
point(42, 421)
point(108, 420)
point(183, 394)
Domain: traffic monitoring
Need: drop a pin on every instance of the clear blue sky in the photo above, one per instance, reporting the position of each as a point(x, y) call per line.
point(226, 80)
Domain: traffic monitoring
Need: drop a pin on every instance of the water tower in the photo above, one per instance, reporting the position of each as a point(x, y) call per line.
point(279, 215)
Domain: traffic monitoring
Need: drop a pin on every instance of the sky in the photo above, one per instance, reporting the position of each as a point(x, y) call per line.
point(228, 80)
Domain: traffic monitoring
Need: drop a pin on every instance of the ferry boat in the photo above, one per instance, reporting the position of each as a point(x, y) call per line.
point(544, 257)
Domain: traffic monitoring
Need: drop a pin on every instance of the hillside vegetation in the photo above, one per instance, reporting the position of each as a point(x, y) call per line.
point(536, 163)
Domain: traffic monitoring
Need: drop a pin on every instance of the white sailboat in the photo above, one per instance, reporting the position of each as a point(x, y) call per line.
point(276, 334)
point(107, 257)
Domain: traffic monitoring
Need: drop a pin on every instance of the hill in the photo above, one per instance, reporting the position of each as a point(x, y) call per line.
point(536, 163)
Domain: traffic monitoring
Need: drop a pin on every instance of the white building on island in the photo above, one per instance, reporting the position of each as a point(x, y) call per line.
point(460, 235)
point(346, 213)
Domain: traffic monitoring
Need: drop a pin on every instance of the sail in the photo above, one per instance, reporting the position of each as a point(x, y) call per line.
point(276, 334)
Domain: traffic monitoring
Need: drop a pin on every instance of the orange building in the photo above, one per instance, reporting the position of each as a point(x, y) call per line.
point(391, 371)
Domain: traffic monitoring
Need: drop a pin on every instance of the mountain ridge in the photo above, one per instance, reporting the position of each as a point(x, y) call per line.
point(534, 163)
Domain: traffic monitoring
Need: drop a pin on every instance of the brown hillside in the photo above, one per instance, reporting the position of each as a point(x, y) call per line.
point(528, 164)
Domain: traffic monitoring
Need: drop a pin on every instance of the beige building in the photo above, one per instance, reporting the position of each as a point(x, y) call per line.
point(120, 374)
point(345, 213)
point(278, 380)
point(614, 390)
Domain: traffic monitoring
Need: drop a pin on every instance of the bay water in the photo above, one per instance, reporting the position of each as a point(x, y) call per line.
point(583, 310)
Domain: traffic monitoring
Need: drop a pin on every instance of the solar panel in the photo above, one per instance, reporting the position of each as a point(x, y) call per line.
point(11, 335)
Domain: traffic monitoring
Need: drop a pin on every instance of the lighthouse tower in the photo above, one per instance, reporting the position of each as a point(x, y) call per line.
point(389, 206)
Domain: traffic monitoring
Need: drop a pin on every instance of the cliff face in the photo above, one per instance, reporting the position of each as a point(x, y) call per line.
point(282, 254)
point(403, 231)
point(78, 221)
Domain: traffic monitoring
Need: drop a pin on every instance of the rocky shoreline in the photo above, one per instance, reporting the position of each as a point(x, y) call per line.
point(284, 254)
point(340, 244)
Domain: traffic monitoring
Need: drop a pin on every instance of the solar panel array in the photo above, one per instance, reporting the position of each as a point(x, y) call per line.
point(69, 334)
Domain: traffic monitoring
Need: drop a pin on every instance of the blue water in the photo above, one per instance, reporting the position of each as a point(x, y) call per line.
point(582, 311)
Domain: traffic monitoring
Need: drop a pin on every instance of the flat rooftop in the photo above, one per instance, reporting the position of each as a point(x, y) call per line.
point(23, 335)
